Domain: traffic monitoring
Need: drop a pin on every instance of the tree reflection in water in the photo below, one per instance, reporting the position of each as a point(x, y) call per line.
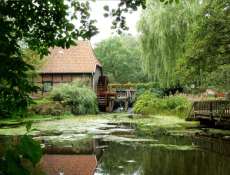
point(171, 157)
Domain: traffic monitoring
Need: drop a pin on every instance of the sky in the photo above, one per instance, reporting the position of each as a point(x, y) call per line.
point(103, 24)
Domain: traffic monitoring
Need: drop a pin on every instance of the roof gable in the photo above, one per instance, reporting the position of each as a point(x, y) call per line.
point(76, 59)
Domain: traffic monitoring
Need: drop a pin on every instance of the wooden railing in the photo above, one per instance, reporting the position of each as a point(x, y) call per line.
point(211, 109)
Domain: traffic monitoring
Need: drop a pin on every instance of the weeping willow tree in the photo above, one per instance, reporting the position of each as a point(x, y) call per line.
point(163, 31)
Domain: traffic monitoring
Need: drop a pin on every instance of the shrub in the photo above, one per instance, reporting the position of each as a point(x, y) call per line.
point(172, 102)
point(149, 103)
point(179, 105)
point(78, 97)
point(157, 91)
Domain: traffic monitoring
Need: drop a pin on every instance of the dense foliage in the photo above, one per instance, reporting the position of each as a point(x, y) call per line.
point(207, 56)
point(120, 57)
point(32, 58)
point(187, 43)
point(163, 31)
point(79, 98)
point(149, 103)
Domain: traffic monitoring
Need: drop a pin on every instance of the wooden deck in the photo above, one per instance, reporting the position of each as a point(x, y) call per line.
point(210, 110)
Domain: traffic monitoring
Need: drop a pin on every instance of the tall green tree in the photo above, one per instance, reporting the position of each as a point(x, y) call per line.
point(207, 56)
point(163, 33)
point(120, 57)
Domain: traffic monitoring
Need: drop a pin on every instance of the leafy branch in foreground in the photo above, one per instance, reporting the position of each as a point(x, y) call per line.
point(38, 25)
point(127, 6)
point(21, 158)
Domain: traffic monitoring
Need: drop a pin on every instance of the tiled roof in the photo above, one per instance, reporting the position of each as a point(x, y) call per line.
point(68, 164)
point(76, 59)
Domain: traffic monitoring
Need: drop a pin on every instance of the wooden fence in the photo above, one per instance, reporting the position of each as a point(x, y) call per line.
point(211, 110)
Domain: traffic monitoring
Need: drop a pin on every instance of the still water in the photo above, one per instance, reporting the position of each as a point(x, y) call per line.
point(169, 156)
point(120, 152)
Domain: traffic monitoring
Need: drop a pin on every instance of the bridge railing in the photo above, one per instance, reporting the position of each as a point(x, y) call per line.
point(212, 109)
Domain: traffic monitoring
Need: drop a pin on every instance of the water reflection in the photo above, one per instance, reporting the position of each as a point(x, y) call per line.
point(165, 156)
point(161, 159)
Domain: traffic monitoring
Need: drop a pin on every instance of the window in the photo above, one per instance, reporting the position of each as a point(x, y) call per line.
point(47, 86)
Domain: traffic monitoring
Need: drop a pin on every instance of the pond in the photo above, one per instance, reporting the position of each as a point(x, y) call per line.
point(119, 151)
point(169, 156)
